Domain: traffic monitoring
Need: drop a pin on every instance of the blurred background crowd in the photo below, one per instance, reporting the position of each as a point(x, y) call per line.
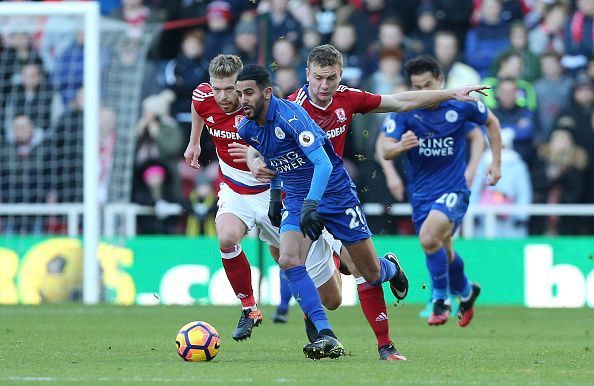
point(537, 55)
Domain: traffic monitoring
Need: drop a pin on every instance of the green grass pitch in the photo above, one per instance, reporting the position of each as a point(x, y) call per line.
point(111, 345)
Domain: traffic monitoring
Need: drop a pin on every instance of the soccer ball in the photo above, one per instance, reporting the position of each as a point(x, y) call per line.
point(198, 342)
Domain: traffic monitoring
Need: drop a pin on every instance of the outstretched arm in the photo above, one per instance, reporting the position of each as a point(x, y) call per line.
point(193, 149)
point(411, 100)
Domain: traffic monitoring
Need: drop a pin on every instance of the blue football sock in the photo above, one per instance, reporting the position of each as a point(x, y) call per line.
point(459, 284)
point(437, 263)
point(306, 294)
point(285, 294)
point(387, 271)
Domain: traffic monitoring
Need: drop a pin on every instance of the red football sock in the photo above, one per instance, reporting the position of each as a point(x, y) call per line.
point(374, 308)
point(239, 273)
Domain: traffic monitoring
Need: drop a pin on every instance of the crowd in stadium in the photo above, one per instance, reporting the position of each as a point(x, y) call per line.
point(537, 55)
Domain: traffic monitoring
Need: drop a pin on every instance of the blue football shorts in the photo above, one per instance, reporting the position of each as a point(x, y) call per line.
point(453, 205)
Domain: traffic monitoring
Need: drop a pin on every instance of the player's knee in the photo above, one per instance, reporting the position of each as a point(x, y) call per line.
point(288, 261)
point(228, 239)
point(429, 242)
point(332, 302)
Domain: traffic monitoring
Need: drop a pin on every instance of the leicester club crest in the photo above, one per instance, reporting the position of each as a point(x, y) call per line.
point(280, 134)
point(340, 114)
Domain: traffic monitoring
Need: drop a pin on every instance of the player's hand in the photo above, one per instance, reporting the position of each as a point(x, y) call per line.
point(191, 155)
point(395, 186)
point(238, 151)
point(493, 173)
point(463, 93)
point(275, 207)
point(409, 140)
point(310, 222)
point(258, 168)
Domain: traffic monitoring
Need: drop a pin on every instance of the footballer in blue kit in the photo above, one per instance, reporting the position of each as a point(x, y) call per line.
point(319, 193)
point(434, 140)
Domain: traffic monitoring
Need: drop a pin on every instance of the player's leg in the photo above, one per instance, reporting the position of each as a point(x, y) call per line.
point(294, 249)
point(321, 264)
point(460, 286)
point(232, 222)
point(435, 229)
point(377, 270)
point(281, 314)
point(373, 305)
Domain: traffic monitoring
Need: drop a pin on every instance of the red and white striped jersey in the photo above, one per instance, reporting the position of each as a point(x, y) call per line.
point(335, 119)
point(222, 127)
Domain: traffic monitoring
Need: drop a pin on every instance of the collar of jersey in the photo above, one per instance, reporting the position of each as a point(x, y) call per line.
point(306, 89)
point(272, 108)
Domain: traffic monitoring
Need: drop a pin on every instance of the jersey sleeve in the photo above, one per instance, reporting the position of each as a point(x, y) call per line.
point(476, 112)
point(363, 101)
point(469, 126)
point(394, 125)
point(304, 130)
point(200, 97)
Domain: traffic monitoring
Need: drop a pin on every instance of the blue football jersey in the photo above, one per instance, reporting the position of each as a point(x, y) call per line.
point(437, 165)
point(284, 141)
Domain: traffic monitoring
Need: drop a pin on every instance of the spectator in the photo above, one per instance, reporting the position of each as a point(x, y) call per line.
point(391, 35)
point(453, 16)
point(203, 201)
point(511, 67)
point(153, 186)
point(219, 36)
point(68, 73)
point(456, 73)
point(553, 92)
point(520, 119)
point(514, 187)
point(246, 41)
point(518, 38)
point(286, 80)
point(580, 107)
point(548, 35)
point(135, 14)
point(34, 97)
point(159, 136)
point(578, 36)
point(24, 177)
point(344, 39)
point(421, 39)
point(17, 53)
point(275, 24)
point(389, 74)
point(368, 21)
point(185, 72)
point(286, 55)
point(68, 151)
point(558, 178)
point(326, 16)
point(488, 39)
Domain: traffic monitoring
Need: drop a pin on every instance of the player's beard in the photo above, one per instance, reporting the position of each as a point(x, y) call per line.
point(255, 111)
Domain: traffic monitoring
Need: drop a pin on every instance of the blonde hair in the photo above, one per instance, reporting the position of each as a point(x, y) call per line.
point(324, 55)
point(224, 65)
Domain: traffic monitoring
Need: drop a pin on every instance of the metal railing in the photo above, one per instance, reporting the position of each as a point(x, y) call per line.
point(120, 218)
